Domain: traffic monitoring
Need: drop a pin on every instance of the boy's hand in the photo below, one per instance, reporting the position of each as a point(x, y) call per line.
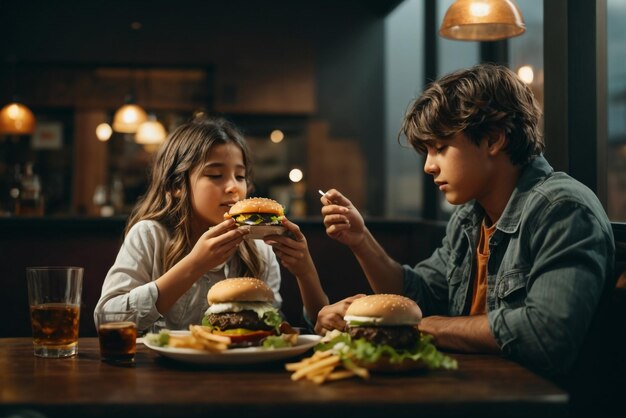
point(342, 220)
point(330, 317)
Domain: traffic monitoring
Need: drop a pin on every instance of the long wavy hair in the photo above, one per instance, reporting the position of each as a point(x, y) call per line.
point(478, 101)
point(185, 149)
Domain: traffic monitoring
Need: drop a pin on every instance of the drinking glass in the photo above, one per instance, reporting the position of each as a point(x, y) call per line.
point(54, 295)
point(117, 333)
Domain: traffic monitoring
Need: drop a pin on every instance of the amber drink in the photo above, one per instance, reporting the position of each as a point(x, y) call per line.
point(117, 333)
point(54, 296)
point(55, 325)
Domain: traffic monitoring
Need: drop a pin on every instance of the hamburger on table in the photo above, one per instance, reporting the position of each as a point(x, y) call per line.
point(242, 309)
point(382, 334)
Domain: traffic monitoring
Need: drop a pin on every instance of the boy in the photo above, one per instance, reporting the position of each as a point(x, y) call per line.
point(528, 252)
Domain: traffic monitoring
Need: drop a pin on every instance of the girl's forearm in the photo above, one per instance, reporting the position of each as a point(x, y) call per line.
point(312, 293)
point(174, 283)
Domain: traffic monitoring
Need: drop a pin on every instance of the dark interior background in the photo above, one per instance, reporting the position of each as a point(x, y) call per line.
point(338, 43)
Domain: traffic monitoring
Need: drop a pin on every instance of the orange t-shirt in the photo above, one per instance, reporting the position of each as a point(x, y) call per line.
point(479, 293)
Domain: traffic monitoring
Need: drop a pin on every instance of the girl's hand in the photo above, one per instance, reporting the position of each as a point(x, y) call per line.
point(331, 316)
point(217, 245)
point(292, 251)
point(342, 220)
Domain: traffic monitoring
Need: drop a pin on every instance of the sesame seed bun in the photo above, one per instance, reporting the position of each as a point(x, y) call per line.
point(241, 289)
point(257, 205)
point(388, 309)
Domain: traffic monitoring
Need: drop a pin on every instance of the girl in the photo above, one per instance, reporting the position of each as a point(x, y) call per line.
point(177, 243)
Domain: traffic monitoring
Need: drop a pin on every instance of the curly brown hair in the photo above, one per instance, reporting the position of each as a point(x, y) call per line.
point(185, 148)
point(478, 102)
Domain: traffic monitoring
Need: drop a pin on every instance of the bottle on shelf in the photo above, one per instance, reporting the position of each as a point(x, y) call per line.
point(117, 194)
point(30, 201)
point(14, 188)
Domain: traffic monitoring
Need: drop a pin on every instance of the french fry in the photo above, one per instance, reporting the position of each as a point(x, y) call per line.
point(324, 371)
point(292, 367)
point(359, 371)
point(200, 338)
point(302, 372)
point(211, 346)
point(324, 366)
point(342, 374)
point(318, 379)
point(185, 342)
point(200, 331)
point(322, 354)
point(207, 340)
point(318, 355)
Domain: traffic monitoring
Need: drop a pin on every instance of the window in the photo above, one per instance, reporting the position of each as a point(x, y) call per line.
point(616, 108)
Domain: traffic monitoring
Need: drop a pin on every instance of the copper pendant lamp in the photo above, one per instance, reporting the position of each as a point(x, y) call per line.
point(151, 134)
point(482, 20)
point(16, 119)
point(130, 115)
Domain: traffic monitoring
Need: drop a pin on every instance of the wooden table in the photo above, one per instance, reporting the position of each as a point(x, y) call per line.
point(483, 386)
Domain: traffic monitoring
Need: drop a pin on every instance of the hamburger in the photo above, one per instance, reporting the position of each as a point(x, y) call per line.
point(384, 320)
point(256, 211)
point(241, 308)
point(382, 334)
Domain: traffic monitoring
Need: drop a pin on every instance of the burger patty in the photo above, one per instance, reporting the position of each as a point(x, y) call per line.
point(403, 336)
point(243, 319)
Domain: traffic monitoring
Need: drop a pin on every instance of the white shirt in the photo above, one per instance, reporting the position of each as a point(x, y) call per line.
point(130, 283)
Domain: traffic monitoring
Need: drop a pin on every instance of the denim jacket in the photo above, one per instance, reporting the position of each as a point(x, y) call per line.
point(550, 258)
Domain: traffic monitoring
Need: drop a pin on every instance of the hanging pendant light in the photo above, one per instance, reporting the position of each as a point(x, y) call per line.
point(128, 117)
point(16, 119)
point(151, 134)
point(482, 20)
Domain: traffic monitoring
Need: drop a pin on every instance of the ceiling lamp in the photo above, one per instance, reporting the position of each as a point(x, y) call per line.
point(128, 118)
point(151, 134)
point(104, 132)
point(482, 20)
point(16, 119)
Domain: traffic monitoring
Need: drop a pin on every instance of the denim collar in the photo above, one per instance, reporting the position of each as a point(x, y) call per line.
point(535, 171)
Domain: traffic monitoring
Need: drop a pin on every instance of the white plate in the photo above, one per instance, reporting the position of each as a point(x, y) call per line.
point(260, 231)
point(235, 355)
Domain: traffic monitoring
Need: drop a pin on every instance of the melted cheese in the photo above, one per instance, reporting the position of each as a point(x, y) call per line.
point(362, 320)
point(259, 307)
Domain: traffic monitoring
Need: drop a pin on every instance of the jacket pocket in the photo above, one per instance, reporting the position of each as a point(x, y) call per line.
point(511, 289)
point(455, 270)
point(457, 275)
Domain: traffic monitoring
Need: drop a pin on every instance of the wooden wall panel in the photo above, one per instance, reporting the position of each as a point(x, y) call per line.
point(90, 161)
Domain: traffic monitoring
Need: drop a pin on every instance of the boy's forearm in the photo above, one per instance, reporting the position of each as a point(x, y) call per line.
point(383, 273)
point(469, 334)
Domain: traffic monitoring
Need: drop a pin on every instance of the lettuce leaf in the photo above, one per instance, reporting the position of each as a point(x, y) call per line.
point(160, 340)
point(258, 219)
point(275, 341)
point(350, 349)
point(273, 319)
